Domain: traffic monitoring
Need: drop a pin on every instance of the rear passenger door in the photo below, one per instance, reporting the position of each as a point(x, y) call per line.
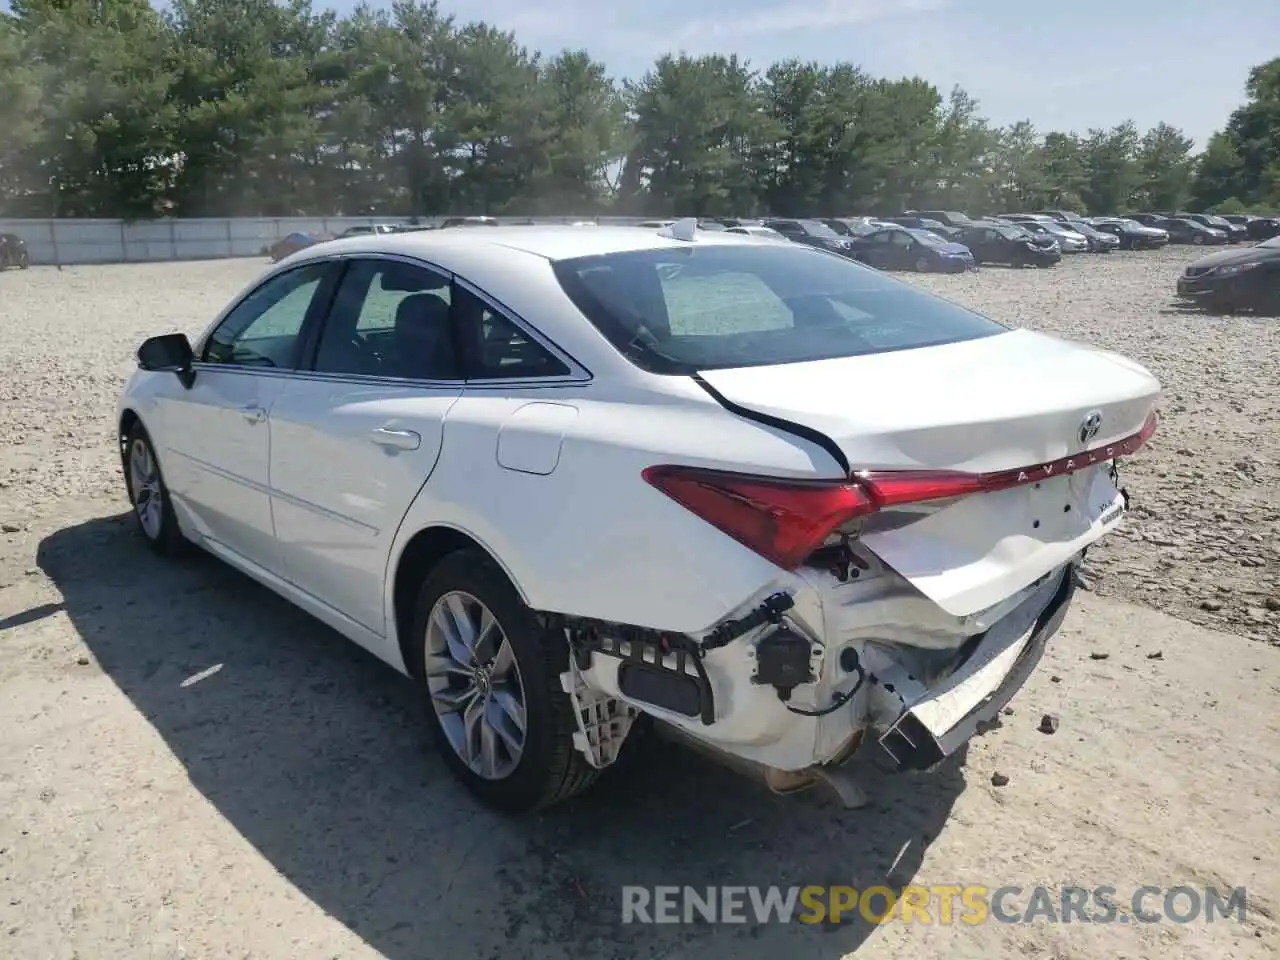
point(354, 439)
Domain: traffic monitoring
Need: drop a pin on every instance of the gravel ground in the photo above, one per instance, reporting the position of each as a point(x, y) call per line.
point(191, 768)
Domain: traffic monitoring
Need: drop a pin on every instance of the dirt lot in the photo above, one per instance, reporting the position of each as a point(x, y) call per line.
point(190, 768)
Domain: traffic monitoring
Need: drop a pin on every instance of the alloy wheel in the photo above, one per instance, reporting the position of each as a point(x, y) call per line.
point(475, 685)
point(144, 484)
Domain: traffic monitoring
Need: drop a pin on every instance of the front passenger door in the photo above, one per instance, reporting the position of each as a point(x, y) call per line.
point(216, 435)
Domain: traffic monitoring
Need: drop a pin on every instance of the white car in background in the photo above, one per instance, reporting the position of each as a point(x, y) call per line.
point(774, 499)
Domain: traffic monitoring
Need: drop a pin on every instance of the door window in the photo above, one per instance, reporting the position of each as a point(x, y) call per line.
point(390, 319)
point(264, 328)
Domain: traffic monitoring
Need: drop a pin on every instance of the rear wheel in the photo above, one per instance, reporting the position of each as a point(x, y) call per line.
point(492, 674)
point(1197, 239)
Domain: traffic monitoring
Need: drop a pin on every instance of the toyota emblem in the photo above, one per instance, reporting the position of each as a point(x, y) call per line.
point(1090, 426)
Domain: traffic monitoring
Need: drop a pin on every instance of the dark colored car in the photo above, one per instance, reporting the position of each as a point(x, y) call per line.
point(1246, 279)
point(1235, 232)
point(13, 252)
point(849, 226)
point(1131, 234)
point(924, 223)
point(469, 222)
point(994, 242)
point(952, 218)
point(1258, 228)
point(902, 248)
point(1099, 241)
point(1182, 230)
point(1062, 216)
point(812, 233)
point(292, 243)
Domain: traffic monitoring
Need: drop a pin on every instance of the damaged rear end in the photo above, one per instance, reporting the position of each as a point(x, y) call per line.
point(919, 575)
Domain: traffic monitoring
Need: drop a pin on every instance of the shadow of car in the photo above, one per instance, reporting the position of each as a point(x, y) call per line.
point(319, 756)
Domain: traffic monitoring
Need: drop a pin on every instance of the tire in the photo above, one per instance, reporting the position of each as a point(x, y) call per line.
point(1197, 240)
point(153, 513)
point(24, 260)
point(546, 768)
point(922, 265)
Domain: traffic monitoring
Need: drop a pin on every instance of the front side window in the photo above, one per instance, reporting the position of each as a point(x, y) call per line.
point(683, 310)
point(264, 328)
point(390, 319)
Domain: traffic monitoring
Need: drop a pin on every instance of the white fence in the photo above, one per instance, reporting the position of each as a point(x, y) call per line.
point(115, 241)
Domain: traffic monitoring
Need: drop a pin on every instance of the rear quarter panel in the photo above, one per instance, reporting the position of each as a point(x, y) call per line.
point(592, 538)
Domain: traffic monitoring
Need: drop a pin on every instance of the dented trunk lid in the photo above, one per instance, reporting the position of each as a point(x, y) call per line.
point(1008, 402)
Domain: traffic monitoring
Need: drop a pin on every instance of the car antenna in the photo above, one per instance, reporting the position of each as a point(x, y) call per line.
point(686, 230)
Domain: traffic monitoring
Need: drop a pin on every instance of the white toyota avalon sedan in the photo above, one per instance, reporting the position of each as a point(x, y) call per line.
point(775, 500)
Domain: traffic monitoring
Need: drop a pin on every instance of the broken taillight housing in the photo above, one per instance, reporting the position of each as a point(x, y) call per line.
point(787, 520)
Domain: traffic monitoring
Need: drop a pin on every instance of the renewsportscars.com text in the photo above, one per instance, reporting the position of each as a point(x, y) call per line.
point(942, 904)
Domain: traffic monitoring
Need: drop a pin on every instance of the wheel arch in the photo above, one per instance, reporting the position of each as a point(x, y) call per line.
point(419, 556)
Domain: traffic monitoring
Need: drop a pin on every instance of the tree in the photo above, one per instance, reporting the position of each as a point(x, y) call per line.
point(275, 107)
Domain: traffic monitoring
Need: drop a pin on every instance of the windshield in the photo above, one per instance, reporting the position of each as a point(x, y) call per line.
point(1058, 228)
point(931, 239)
point(816, 229)
point(1010, 232)
point(680, 310)
point(1216, 220)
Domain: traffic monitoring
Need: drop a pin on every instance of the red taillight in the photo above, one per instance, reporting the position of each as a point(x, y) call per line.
point(787, 520)
point(782, 520)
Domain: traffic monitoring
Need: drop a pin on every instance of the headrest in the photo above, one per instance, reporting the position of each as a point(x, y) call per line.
point(420, 310)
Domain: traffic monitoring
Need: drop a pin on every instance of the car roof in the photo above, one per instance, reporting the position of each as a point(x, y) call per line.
point(554, 242)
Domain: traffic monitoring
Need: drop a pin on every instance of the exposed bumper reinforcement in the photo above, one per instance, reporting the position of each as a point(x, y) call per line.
point(940, 720)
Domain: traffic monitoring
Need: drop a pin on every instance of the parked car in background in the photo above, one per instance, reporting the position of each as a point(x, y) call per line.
point(292, 243)
point(1236, 233)
point(1247, 279)
point(13, 252)
point(564, 479)
point(1011, 244)
point(1062, 216)
point(753, 230)
point(469, 222)
point(1257, 228)
point(1099, 242)
point(1131, 234)
point(903, 248)
point(1068, 240)
point(851, 226)
point(812, 233)
point(952, 218)
point(371, 228)
point(924, 223)
point(1181, 230)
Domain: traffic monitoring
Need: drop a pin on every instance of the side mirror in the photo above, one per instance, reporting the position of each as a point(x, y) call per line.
point(170, 352)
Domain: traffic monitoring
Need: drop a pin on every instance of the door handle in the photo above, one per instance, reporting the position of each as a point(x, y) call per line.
point(253, 413)
point(393, 439)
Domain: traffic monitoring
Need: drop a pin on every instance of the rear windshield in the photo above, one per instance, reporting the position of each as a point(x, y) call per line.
point(680, 310)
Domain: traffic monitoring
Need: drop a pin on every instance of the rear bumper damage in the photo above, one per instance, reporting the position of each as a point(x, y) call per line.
point(930, 723)
point(734, 698)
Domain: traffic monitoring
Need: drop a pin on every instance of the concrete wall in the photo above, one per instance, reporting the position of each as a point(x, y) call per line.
point(114, 241)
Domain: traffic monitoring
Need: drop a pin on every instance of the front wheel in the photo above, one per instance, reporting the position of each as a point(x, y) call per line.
point(922, 265)
point(492, 674)
point(24, 260)
point(1197, 240)
point(148, 495)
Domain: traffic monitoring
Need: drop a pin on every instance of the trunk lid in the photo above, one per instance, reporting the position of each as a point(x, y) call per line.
point(1006, 402)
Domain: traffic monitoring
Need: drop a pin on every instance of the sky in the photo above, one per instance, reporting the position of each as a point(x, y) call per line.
point(1063, 64)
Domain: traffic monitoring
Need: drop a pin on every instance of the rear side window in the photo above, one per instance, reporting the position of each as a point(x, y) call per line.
point(680, 310)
